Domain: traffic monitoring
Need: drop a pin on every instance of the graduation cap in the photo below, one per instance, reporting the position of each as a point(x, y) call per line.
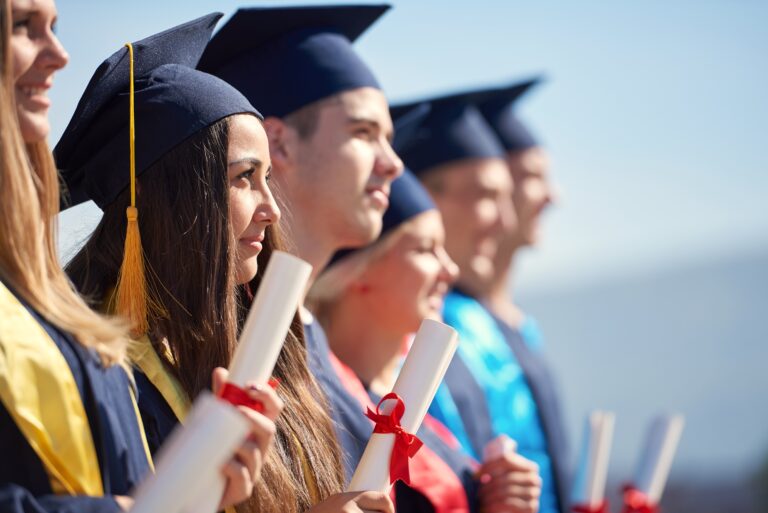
point(453, 130)
point(141, 102)
point(407, 199)
point(497, 105)
point(173, 101)
point(283, 58)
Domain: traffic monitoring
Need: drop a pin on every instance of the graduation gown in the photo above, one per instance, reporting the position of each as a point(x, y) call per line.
point(70, 438)
point(164, 404)
point(352, 427)
point(488, 392)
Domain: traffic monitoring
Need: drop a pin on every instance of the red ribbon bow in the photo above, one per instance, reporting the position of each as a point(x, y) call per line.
point(636, 501)
point(585, 508)
point(237, 396)
point(406, 444)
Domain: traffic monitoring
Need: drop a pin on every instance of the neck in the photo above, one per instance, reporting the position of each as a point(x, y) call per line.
point(371, 350)
point(310, 246)
point(499, 297)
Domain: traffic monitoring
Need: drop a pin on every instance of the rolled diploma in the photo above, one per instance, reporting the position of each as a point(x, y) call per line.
point(656, 461)
point(193, 454)
point(416, 385)
point(277, 300)
point(589, 485)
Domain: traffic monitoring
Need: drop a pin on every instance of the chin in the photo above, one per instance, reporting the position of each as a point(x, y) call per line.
point(367, 230)
point(33, 130)
point(246, 271)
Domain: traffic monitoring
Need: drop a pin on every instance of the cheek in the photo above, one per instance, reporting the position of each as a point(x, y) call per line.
point(485, 213)
point(22, 56)
point(359, 158)
point(240, 210)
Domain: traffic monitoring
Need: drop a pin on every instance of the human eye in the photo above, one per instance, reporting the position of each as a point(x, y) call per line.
point(246, 176)
point(21, 25)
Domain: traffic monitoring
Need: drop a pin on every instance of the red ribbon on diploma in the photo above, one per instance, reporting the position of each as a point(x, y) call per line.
point(636, 501)
point(237, 396)
point(584, 508)
point(406, 444)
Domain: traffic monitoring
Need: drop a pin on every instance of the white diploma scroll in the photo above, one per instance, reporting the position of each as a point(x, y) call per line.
point(261, 340)
point(658, 453)
point(592, 472)
point(192, 456)
point(416, 385)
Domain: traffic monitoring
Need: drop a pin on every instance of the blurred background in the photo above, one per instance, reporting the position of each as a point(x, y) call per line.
point(650, 284)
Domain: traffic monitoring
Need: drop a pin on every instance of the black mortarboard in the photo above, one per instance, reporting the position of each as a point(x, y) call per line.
point(173, 101)
point(497, 105)
point(453, 130)
point(283, 58)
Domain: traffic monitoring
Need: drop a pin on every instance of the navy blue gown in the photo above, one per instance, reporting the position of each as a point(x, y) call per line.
point(106, 397)
point(352, 427)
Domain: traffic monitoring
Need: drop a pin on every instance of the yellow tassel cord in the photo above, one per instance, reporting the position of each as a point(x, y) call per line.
point(131, 282)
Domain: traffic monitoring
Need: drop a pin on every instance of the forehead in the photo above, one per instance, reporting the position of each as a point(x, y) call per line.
point(33, 5)
point(365, 103)
point(247, 138)
point(482, 174)
point(533, 161)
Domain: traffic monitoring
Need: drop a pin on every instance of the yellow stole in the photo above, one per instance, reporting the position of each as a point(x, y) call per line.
point(39, 391)
point(144, 356)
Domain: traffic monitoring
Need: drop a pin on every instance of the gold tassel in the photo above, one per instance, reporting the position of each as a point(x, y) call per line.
point(131, 281)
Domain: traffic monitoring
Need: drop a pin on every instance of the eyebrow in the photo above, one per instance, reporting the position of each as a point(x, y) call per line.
point(252, 160)
point(368, 121)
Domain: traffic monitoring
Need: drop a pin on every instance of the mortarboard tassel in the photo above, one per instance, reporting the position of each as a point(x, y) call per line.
point(131, 282)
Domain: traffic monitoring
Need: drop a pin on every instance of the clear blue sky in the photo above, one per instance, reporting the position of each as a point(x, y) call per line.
point(655, 112)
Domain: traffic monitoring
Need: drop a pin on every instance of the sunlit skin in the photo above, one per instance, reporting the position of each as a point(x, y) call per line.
point(336, 182)
point(533, 193)
point(252, 206)
point(473, 197)
point(37, 55)
point(402, 284)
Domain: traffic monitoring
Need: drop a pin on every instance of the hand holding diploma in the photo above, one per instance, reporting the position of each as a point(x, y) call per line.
point(509, 483)
point(398, 416)
point(261, 340)
point(242, 471)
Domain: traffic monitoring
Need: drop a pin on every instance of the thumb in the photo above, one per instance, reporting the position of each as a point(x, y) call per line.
point(499, 447)
point(218, 378)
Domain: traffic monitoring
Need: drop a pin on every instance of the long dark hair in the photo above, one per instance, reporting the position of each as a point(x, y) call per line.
point(190, 259)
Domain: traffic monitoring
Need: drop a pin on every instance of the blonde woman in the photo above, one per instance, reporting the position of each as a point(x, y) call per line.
point(70, 438)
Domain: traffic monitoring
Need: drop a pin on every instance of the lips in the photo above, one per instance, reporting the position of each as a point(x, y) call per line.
point(36, 93)
point(379, 196)
point(253, 242)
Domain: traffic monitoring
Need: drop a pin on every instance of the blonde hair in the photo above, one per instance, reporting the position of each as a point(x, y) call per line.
point(334, 281)
point(29, 203)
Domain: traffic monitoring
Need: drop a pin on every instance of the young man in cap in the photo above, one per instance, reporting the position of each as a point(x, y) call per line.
point(329, 130)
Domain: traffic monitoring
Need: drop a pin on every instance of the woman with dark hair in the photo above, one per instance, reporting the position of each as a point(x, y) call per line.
point(70, 438)
point(208, 224)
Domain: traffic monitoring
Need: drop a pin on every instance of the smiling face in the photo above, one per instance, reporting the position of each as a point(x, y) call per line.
point(341, 172)
point(36, 54)
point(407, 282)
point(251, 205)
